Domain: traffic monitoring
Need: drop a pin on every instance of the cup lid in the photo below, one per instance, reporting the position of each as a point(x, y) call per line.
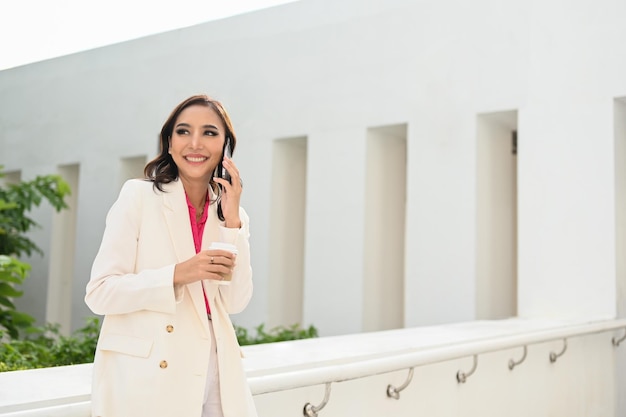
point(224, 246)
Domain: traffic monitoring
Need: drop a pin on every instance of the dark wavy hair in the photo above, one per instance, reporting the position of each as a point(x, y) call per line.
point(162, 169)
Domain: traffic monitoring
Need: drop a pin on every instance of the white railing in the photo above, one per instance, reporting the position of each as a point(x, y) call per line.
point(423, 356)
point(301, 376)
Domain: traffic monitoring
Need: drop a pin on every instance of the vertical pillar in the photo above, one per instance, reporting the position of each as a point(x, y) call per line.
point(62, 255)
point(620, 238)
point(333, 280)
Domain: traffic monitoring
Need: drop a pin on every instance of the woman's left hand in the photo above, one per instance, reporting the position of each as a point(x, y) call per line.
point(231, 194)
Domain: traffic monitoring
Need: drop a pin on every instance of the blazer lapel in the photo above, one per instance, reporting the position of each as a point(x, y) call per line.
point(177, 217)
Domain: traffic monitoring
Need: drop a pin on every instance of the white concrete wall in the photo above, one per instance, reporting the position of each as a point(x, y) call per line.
point(333, 284)
point(287, 222)
point(329, 71)
point(566, 172)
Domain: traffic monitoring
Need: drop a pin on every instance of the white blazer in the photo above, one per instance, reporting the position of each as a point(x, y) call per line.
point(153, 350)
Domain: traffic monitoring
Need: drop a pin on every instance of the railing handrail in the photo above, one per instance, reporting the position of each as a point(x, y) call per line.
point(420, 356)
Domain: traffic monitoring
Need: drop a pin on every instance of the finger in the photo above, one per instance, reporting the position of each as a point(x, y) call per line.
point(225, 184)
point(230, 166)
point(234, 172)
point(224, 262)
point(226, 259)
point(217, 268)
point(220, 269)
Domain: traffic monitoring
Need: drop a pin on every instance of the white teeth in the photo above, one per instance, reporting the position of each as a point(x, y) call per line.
point(192, 159)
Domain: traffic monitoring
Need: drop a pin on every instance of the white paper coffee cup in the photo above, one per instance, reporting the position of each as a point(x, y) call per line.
point(228, 247)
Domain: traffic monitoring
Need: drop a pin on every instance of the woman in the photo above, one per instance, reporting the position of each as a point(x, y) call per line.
point(167, 347)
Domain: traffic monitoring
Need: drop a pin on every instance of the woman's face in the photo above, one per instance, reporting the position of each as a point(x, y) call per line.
point(196, 143)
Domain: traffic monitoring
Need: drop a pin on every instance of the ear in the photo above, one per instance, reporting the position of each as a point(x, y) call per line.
point(169, 145)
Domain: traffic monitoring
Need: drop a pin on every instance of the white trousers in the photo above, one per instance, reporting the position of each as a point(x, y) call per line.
point(212, 406)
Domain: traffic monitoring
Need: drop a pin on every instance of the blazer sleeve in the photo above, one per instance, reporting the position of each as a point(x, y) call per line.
point(114, 286)
point(236, 296)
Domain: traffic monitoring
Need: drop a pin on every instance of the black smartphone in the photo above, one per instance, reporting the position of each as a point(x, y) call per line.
point(227, 151)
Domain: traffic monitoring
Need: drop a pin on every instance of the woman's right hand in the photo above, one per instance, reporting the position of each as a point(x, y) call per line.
point(209, 264)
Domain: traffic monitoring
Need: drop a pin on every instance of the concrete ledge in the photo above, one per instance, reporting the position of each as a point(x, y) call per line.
point(44, 388)
point(271, 368)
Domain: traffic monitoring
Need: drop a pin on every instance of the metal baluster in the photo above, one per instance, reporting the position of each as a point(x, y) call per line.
point(311, 410)
point(554, 356)
point(617, 341)
point(513, 364)
point(462, 376)
point(394, 392)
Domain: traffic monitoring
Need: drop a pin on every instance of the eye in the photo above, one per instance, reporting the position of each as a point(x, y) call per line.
point(210, 133)
point(181, 131)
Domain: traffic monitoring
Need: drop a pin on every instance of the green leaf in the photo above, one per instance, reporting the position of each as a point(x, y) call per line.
point(8, 290)
point(7, 302)
point(22, 319)
point(6, 205)
point(276, 334)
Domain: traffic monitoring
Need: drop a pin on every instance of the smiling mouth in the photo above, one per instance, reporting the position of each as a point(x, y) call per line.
point(196, 158)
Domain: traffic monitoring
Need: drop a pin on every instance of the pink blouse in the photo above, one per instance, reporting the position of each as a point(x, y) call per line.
point(197, 228)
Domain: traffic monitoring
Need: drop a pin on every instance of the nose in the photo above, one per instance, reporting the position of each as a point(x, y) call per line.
point(196, 141)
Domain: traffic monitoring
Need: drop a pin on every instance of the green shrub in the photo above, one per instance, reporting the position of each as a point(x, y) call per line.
point(44, 347)
point(276, 334)
point(12, 274)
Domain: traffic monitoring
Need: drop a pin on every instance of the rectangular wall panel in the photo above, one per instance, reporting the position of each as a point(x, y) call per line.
point(287, 221)
point(496, 215)
point(385, 212)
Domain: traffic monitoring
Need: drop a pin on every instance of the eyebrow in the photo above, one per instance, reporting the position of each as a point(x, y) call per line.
point(205, 126)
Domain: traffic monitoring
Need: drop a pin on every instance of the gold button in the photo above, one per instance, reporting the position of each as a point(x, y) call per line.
point(169, 328)
point(163, 364)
